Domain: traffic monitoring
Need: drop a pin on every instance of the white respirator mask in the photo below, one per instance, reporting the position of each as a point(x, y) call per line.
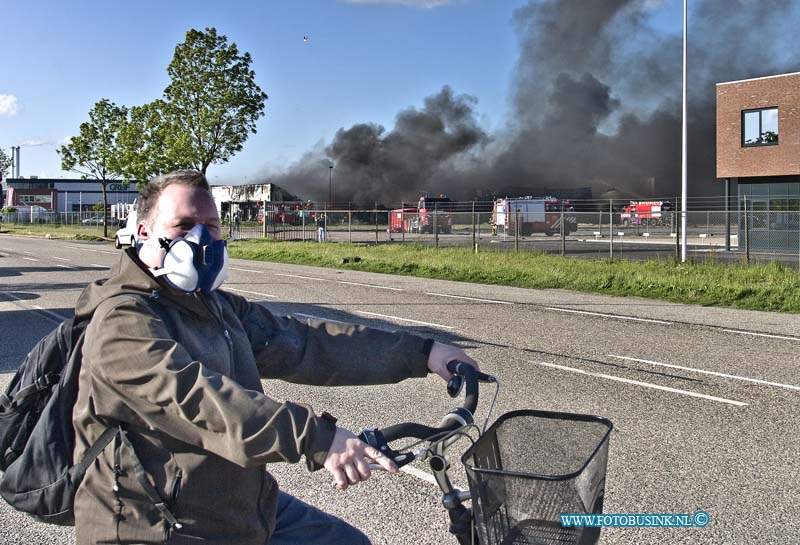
point(194, 262)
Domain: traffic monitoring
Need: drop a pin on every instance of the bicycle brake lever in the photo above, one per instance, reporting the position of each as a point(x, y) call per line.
point(374, 438)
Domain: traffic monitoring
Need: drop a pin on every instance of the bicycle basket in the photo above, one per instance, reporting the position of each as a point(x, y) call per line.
point(531, 466)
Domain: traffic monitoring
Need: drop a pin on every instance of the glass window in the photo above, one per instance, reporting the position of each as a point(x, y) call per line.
point(760, 127)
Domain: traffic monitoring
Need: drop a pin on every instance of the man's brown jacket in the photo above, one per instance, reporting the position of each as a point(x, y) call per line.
point(182, 374)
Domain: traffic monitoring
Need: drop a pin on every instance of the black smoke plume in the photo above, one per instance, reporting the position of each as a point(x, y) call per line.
point(596, 102)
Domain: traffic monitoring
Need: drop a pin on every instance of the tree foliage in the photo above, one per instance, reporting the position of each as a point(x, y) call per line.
point(206, 114)
point(5, 162)
point(212, 103)
point(95, 152)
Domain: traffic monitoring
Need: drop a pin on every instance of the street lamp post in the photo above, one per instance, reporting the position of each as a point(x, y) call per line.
point(684, 188)
point(330, 184)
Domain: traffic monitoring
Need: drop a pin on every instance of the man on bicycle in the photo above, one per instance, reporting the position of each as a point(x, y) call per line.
point(177, 364)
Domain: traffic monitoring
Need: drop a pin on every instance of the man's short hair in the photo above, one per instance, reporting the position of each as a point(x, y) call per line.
point(149, 194)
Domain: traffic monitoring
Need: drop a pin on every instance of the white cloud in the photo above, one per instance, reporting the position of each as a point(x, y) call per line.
point(32, 143)
point(411, 3)
point(8, 105)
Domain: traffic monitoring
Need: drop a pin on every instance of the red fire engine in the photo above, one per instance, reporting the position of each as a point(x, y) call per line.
point(429, 211)
point(536, 215)
point(646, 212)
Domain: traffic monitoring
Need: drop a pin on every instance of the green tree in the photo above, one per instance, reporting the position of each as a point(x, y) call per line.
point(5, 162)
point(142, 142)
point(95, 153)
point(212, 103)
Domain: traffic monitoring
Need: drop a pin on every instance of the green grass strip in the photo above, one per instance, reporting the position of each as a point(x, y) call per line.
point(770, 287)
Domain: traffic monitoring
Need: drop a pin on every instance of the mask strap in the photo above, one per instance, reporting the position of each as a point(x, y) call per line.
point(160, 271)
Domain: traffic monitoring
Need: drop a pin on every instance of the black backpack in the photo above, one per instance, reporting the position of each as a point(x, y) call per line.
point(36, 434)
point(37, 439)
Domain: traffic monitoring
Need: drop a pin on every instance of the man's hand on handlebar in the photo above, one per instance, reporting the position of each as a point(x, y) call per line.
point(441, 354)
point(348, 459)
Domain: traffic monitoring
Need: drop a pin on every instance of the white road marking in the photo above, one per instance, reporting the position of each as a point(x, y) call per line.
point(98, 265)
point(49, 313)
point(403, 319)
point(66, 267)
point(762, 335)
point(471, 298)
point(725, 375)
point(419, 474)
point(251, 292)
point(644, 384)
point(29, 258)
point(618, 317)
point(85, 249)
point(61, 258)
point(305, 277)
point(244, 270)
point(317, 317)
point(370, 285)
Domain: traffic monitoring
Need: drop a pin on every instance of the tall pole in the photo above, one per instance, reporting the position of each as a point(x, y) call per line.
point(683, 145)
point(330, 184)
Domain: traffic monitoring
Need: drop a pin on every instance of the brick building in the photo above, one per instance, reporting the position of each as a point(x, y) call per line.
point(758, 148)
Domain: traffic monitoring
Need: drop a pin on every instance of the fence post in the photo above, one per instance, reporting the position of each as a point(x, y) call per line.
point(677, 233)
point(376, 223)
point(436, 224)
point(349, 223)
point(516, 230)
point(727, 214)
point(474, 223)
point(563, 232)
point(746, 232)
point(611, 229)
point(403, 219)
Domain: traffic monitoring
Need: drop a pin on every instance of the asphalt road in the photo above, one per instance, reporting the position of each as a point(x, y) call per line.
point(704, 401)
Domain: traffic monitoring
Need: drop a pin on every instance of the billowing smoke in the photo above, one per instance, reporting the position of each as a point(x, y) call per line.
point(374, 165)
point(595, 103)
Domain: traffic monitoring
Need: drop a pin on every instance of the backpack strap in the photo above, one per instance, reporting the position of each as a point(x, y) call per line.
point(41, 383)
point(149, 489)
point(94, 451)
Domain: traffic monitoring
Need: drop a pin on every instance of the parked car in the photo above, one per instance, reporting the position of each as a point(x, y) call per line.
point(127, 234)
point(98, 220)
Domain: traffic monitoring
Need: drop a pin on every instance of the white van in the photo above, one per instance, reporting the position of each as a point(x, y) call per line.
point(127, 234)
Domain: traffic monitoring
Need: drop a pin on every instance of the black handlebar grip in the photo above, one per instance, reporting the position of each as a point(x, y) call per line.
point(470, 378)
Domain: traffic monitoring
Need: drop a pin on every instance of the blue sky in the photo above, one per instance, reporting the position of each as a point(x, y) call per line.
point(365, 61)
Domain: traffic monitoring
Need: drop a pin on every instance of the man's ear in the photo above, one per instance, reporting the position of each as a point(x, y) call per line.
point(142, 232)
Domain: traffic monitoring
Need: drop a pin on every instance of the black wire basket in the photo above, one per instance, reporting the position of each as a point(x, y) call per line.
point(530, 467)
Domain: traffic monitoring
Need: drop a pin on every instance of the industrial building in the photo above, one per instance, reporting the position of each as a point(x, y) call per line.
point(758, 148)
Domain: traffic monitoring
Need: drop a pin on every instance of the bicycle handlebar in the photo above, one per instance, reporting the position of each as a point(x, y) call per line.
point(463, 373)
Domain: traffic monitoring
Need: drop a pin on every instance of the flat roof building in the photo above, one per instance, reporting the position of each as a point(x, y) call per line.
point(65, 195)
point(758, 147)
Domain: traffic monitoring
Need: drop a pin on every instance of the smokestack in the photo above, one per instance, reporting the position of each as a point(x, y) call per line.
point(18, 174)
point(13, 161)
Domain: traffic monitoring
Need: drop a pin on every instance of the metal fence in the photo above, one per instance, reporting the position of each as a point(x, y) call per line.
point(591, 230)
point(89, 220)
point(739, 235)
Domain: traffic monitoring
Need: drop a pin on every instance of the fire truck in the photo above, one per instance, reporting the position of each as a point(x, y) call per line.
point(536, 215)
point(646, 212)
point(429, 211)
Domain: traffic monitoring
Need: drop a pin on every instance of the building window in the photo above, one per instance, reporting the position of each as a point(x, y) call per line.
point(760, 127)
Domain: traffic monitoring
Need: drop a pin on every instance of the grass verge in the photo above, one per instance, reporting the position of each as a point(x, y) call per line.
point(65, 232)
point(770, 287)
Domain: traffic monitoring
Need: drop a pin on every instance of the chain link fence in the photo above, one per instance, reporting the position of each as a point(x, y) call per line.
point(608, 233)
point(747, 231)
